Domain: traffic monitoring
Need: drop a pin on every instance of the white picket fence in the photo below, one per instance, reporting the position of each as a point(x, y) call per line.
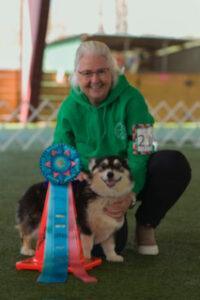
point(180, 125)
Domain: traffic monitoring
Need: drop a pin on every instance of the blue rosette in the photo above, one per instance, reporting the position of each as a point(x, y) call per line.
point(60, 164)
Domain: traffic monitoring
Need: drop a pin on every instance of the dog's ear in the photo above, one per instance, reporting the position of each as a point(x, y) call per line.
point(91, 165)
point(125, 162)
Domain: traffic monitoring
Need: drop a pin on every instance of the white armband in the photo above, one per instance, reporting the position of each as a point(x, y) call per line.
point(142, 136)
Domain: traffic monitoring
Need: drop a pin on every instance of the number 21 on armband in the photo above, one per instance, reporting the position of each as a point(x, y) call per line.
point(142, 136)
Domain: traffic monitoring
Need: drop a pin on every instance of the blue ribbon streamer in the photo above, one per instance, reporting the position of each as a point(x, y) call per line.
point(55, 268)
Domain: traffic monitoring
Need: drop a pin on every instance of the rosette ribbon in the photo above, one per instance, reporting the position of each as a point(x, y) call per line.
point(58, 249)
point(60, 164)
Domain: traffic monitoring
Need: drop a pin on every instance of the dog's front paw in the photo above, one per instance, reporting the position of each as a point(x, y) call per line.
point(115, 258)
point(87, 257)
point(28, 252)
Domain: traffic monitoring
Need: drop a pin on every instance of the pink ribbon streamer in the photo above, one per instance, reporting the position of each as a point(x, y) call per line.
point(74, 243)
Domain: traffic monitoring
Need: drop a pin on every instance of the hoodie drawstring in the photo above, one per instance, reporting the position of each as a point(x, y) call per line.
point(104, 124)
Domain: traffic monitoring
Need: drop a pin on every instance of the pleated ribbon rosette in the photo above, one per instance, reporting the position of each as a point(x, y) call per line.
point(60, 164)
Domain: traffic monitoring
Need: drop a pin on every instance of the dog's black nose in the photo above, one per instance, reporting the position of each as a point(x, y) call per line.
point(110, 175)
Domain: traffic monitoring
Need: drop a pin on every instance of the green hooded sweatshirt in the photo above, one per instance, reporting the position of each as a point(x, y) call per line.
point(106, 129)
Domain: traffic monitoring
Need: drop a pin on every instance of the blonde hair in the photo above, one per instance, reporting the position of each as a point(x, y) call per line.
point(95, 48)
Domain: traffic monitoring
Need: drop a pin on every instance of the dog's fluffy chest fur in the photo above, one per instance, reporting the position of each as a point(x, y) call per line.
point(101, 225)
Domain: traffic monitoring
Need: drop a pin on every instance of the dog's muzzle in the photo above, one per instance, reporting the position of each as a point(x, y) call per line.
point(110, 179)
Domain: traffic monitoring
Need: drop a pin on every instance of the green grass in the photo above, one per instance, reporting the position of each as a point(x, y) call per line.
point(174, 274)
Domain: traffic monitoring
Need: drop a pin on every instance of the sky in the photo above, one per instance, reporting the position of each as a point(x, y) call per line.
point(174, 18)
point(170, 18)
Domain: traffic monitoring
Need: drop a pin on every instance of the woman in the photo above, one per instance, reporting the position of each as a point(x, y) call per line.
point(104, 115)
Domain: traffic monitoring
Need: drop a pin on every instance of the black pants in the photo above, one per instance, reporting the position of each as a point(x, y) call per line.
point(168, 175)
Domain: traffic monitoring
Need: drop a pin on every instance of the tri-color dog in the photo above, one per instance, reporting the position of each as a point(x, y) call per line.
point(108, 181)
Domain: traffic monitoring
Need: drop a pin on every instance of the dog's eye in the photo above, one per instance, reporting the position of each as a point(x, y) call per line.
point(103, 166)
point(118, 166)
point(121, 169)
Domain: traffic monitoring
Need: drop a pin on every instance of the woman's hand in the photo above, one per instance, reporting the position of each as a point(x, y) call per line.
point(119, 208)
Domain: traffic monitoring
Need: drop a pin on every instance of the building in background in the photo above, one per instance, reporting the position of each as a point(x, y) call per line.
point(183, 58)
point(133, 54)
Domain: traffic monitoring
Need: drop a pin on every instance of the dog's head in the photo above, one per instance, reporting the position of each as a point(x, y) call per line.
point(110, 176)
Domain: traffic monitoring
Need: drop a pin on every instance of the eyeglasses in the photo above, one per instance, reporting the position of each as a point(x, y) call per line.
point(87, 74)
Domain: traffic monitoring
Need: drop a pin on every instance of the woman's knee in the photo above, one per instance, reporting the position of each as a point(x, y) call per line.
point(170, 162)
